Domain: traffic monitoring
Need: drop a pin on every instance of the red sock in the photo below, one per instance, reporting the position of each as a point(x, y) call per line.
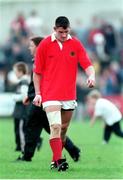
point(56, 146)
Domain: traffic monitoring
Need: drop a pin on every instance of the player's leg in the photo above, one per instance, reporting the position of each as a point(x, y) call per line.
point(117, 129)
point(39, 143)
point(43, 124)
point(72, 149)
point(17, 133)
point(67, 112)
point(107, 134)
point(32, 133)
point(66, 118)
point(54, 117)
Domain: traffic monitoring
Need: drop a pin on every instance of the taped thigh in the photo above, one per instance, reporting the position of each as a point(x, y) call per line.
point(54, 117)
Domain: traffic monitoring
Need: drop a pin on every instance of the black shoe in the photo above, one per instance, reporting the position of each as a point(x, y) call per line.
point(18, 148)
point(53, 165)
point(75, 153)
point(62, 165)
point(22, 158)
point(39, 144)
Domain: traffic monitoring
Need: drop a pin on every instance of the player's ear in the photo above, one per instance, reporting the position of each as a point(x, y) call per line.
point(54, 28)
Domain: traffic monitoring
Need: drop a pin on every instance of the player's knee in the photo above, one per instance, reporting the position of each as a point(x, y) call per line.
point(55, 130)
point(64, 130)
point(54, 119)
point(63, 135)
point(64, 127)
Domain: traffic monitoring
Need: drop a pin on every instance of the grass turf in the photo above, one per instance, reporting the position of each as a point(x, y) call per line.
point(97, 161)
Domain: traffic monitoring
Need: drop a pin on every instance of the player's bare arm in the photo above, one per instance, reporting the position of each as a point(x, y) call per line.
point(90, 72)
point(38, 99)
point(92, 121)
point(26, 100)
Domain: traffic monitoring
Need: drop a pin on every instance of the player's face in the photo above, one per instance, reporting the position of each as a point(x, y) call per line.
point(17, 73)
point(61, 33)
point(91, 101)
point(32, 48)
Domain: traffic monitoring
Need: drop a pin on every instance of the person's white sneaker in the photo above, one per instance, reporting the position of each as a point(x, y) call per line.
point(104, 142)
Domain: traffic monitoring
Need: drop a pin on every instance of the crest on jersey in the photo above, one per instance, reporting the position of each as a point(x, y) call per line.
point(72, 53)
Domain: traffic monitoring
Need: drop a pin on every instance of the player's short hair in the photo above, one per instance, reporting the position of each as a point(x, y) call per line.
point(94, 94)
point(36, 40)
point(21, 67)
point(62, 21)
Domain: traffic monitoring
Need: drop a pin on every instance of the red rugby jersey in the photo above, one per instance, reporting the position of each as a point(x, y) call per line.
point(58, 68)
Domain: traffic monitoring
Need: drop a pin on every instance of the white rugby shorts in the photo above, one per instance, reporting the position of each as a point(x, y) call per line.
point(65, 105)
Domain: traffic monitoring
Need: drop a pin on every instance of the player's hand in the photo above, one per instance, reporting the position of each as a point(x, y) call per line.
point(26, 100)
point(37, 100)
point(91, 81)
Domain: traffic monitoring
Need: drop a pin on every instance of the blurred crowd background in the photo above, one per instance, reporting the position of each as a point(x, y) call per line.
point(100, 31)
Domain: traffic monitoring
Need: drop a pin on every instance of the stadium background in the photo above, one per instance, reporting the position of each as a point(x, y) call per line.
point(99, 25)
point(90, 20)
point(50, 9)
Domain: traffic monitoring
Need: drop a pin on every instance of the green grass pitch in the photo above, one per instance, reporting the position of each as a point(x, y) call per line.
point(97, 161)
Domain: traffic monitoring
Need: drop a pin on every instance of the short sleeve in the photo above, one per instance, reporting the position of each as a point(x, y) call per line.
point(39, 60)
point(83, 57)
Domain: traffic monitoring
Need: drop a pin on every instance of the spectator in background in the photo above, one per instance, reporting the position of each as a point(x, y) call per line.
point(17, 52)
point(110, 40)
point(99, 42)
point(94, 30)
point(81, 32)
point(103, 108)
point(121, 33)
point(108, 82)
point(2, 81)
point(82, 91)
point(120, 77)
point(18, 27)
point(34, 23)
point(20, 110)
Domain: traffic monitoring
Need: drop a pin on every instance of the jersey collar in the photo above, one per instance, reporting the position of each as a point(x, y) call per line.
point(53, 38)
